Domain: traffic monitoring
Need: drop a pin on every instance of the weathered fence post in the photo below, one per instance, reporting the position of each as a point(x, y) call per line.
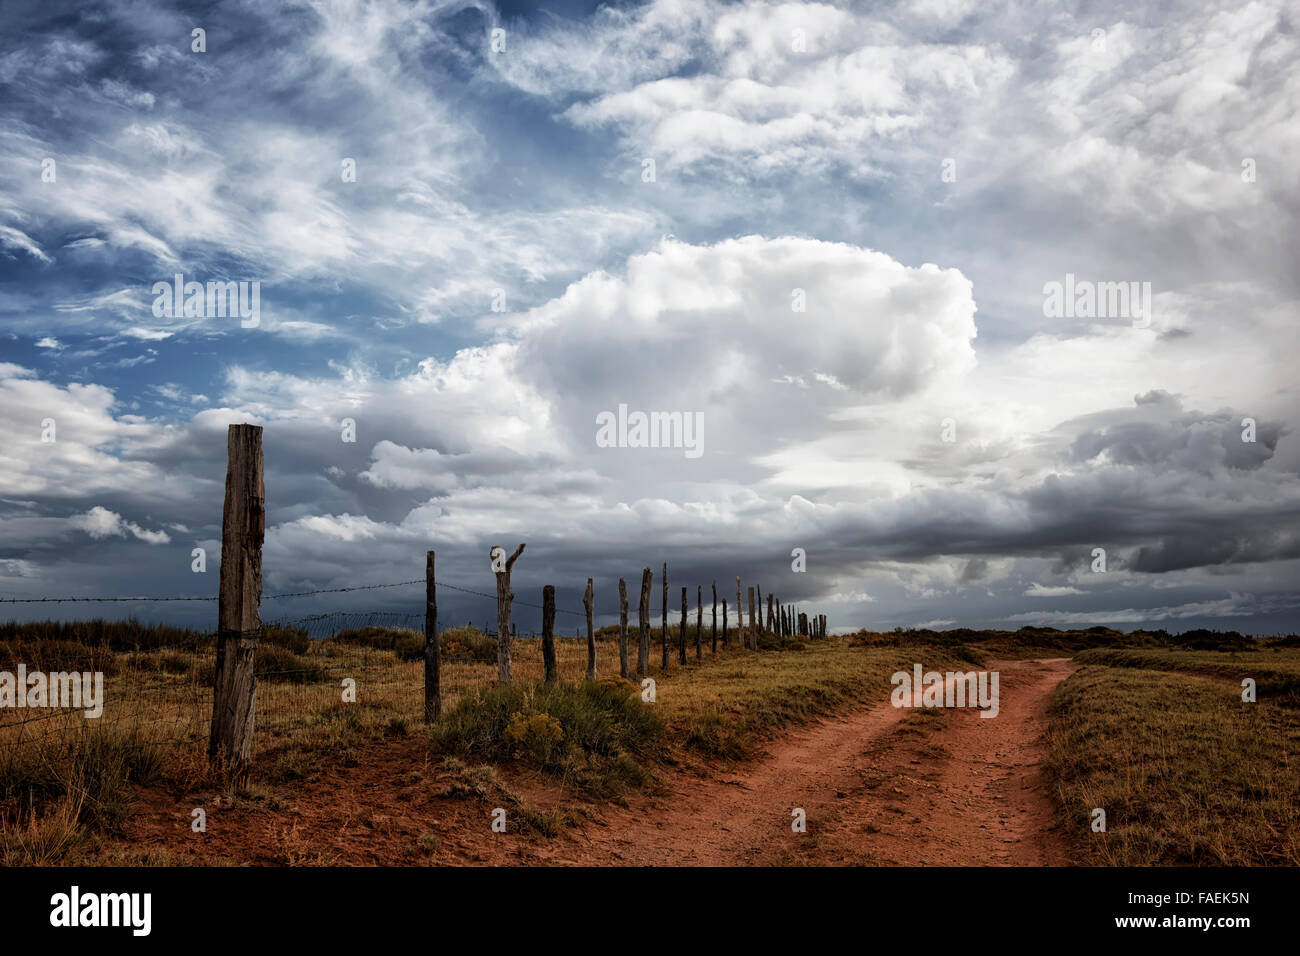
point(699, 621)
point(548, 634)
point(740, 615)
point(715, 617)
point(622, 628)
point(665, 617)
point(681, 637)
point(771, 621)
point(505, 637)
point(753, 631)
point(239, 622)
point(588, 600)
point(760, 610)
point(432, 652)
point(643, 619)
point(725, 642)
point(803, 623)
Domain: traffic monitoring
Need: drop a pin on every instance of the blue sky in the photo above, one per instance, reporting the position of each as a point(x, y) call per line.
point(918, 171)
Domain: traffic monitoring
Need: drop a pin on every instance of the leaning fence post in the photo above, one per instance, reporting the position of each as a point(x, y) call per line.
point(548, 634)
point(643, 620)
point(432, 652)
point(239, 622)
point(622, 628)
point(588, 600)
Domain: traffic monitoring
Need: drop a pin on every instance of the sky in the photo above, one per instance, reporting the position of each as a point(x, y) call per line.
point(830, 234)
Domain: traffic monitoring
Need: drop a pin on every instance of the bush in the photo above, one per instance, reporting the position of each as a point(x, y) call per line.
point(536, 735)
point(595, 734)
point(468, 642)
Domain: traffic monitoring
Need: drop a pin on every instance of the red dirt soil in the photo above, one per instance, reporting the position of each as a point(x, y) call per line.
point(964, 790)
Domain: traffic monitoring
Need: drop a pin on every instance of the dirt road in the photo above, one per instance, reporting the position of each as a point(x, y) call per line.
point(970, 792)
point(878, 787)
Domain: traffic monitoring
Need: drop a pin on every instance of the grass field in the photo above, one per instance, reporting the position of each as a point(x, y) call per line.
point(1155, 732)
point(1187, 772)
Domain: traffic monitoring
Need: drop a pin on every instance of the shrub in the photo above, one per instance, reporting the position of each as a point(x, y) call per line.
point(536, 735)
point(594, 734)
point(468, 642)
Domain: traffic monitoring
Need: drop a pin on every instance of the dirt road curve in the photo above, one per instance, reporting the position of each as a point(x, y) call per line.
point(968, 793)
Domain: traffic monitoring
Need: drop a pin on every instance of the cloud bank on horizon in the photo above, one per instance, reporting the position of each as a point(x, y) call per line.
point(825, 232)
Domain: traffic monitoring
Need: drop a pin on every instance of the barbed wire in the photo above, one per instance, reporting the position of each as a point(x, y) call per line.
point(274, 597)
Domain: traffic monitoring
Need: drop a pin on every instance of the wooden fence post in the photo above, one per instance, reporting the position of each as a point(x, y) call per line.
point(643, 618)
point(432, 651)
point(760, 610)
point(548, 634)
point(715, 617)
point(681, 637)
point(725, 642)
point(699, 621)
point(588, 600)
point(622, 628)
point(771, 621)
point(665, 618)
point(239, 622)
point(740, 616)
point(505, 637)
point(752, 632)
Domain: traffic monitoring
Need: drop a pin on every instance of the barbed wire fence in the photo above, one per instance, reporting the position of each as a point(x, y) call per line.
point(73, 683)
point(159, 692)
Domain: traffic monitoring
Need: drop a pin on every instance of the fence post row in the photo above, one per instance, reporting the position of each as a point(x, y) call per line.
point(432, 650)
point(239, 622)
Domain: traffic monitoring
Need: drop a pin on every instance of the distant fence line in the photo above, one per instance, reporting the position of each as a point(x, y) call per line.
point(228, 693)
